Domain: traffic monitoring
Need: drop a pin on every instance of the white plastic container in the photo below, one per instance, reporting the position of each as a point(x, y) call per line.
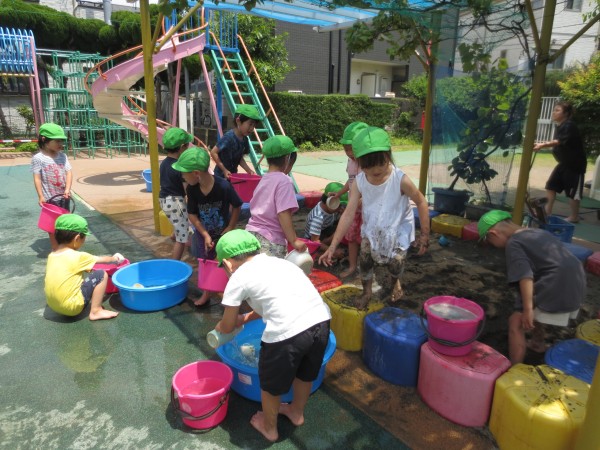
point(216, 339)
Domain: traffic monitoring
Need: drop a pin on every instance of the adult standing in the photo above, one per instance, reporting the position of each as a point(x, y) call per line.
point(568, 151)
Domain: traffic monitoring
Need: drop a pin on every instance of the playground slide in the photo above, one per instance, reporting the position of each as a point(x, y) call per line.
point(109, 89)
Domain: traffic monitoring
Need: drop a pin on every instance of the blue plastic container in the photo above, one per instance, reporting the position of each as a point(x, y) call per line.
point(560, 228)
point(153, 285)
point(582, 253)
point(300, 199)
point(575, 357)
point(432, 214)
point(245, 377)
point(147, 176)
point(392, 345)
point(245, 212)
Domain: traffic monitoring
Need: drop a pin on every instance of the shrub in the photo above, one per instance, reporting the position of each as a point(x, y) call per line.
point(31, 147)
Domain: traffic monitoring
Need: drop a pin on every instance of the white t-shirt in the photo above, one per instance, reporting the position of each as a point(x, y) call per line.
point(278, 291)
point(388, 220)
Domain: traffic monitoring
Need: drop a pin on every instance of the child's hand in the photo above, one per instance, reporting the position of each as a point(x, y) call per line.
point(422, 243)
point(208, 243)
point(227, 174)
point(118, 258)
point(299, 246)
point(327, 258)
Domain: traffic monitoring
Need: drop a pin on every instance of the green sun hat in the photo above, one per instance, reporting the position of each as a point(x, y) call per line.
point(370, 140)
point(194, 158)
point(277, 146)
point(489, 219)
point(72, 222)
point(52, 131)
point(236, 242)
point(175, 137)
point(351, 131)
point(250, 111)
point(336, 186)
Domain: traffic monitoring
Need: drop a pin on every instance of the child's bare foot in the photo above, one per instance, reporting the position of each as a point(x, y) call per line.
point(397, 293)
point(203, 300)
point(362, 301)
point(102, 314)
point(287, 410)
point(350, 271)
point(258, 422)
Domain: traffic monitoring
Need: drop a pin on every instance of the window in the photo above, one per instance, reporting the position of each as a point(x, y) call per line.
point(503, 54)
point(559, 63)
point(573, 5)
point(537, 4)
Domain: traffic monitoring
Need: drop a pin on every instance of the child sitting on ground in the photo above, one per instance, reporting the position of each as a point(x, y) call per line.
point(172, 191)
point(320, 222)
point(274, 200)
point(52, 175)
point(229, 152)
point(70, 283)
point(549, 280)
point(297, 325)
point(213, 205)
point(388, 228)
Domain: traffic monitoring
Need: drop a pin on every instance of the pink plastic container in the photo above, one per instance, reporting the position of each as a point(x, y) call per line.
point(244, 184)
point(211, 277)
point(312, 246)
point(110, 270)
point(460, 388)
point(48, 216)
point(453, 324)
point(202, 389)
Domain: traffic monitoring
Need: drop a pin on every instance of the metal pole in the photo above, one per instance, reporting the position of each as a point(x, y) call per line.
point(148, 52)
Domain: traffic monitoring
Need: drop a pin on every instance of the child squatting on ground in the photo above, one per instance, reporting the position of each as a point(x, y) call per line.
point(213, 205)
point(352, 237)
point(274, 200)
point(550, 281)
point(320, 222)
point(172, 191)
point(70, 283)
point(52, 175)
point(297, 325)
point(388, 227)
point(229, 152)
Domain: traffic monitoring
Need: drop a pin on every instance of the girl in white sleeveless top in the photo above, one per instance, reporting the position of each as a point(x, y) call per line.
point(388, 227)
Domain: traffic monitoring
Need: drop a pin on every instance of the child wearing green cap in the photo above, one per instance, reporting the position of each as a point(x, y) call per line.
point(71, 283)
point(549, 280)
point(172, 192)
point(297, 325)
point(388, 228)
point(320, 222)
point(352, 237)
point(213, 205)
point(274, 200)
point(52, 175)
point(230, 149)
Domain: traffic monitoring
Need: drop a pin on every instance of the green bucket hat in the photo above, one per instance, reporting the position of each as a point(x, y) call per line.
point(236, 242)
point(489, 219)
point(175, 137)
point(335, 186)
point(370, 140)
point(194, 158)
point(277, 146)
point(250, 111)
point(52, 131)
point(72, 222)
point(351, 131)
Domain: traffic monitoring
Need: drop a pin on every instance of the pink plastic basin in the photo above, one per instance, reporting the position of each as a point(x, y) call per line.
point(110, 270)
point(211, 277)
point(48, 216)
point(244, 184)
point(313, 246)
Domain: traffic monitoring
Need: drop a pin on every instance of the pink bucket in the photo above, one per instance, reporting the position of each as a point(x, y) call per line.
point(110, 270)
point(202, 389)
point(244, 184)
point(313, 246)
point(453, 324)
point(211, 277)
point(48, 216)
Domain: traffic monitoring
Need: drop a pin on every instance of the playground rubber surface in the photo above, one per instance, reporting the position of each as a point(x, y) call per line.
point(75, 383)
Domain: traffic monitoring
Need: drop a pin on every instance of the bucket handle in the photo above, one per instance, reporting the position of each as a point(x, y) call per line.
point(71, 201)
point(202, 417)
point(451, 343)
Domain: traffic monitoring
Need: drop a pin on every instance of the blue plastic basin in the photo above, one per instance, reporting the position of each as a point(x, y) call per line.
point(245, 377)
point(147, 176)
point(161, 283)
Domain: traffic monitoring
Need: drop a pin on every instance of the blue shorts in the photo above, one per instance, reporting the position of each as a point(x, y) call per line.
point(300, 356)
point(90, 281)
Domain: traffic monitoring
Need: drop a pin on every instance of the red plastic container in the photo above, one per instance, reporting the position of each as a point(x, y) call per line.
point(311, 198)
point(202, 390)
point(110, 270)
point(211, 277)
point(453, 324)
point(324, 281)
point(592, 265)
point(48, 216)
point(470, 233)
point(313, 246)
point(244, 184)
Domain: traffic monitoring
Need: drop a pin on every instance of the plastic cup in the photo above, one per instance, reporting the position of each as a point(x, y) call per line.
point(216, 339)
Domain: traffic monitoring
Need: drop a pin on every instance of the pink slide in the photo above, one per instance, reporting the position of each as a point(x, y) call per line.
point(108, 90)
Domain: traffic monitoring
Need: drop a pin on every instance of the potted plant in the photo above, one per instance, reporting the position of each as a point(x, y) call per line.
point(493, 118)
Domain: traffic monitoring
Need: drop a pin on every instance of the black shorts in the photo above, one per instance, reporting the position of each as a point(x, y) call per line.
point(90, 281)
point(564, 179)
point(300, 356)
